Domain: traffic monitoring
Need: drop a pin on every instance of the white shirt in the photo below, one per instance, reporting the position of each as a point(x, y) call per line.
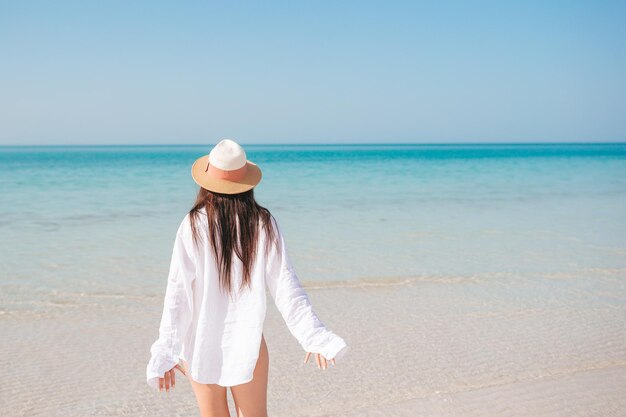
point(219, 336)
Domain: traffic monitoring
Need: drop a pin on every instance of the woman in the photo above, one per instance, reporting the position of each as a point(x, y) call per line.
point(227, 250)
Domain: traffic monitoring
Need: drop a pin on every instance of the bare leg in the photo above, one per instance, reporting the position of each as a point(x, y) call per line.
point(211, 398)
point(251, 397)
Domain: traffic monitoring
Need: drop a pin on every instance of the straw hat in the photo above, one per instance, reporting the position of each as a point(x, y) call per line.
point(226, 169)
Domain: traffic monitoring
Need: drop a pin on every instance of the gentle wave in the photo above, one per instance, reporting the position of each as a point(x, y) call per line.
point(23, 298)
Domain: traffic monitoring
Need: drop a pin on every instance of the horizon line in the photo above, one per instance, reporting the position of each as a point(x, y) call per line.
point(314, 144)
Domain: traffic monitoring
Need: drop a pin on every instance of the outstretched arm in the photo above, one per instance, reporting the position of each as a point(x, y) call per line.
point(177, 311)
point(294, 305)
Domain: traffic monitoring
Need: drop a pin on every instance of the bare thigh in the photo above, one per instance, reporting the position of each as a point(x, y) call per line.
point(251, 398)
point(211, 398)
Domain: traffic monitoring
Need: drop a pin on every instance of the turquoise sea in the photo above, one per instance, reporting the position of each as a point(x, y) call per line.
point(102, 219)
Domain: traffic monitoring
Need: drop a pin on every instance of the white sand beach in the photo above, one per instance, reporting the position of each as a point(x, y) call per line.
point(477, 345)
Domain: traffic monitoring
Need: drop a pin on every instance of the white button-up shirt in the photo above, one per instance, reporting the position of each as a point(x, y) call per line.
point(219, 335)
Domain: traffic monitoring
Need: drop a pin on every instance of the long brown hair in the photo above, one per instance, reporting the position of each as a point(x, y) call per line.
point(224, 213)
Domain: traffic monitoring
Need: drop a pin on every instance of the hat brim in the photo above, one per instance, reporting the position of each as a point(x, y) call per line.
point(218, 185)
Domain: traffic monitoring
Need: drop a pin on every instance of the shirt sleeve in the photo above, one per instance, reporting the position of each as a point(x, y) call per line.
point(294, 305)
point(177, 310)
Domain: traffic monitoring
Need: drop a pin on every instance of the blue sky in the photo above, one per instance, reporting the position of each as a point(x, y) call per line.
point(136, 72)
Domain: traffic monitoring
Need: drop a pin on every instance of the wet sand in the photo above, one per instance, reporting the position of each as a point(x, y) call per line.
point(481, 345)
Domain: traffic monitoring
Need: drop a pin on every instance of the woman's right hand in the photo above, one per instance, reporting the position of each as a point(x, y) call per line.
point(319, 359)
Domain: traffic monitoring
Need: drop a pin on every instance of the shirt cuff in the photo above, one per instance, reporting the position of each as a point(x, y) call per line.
point(157, 367)
point(335, 349)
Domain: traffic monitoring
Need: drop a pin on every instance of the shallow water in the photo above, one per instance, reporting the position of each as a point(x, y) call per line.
point(101, 219)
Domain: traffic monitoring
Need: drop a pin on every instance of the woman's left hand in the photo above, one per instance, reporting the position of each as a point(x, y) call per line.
point(169, 378)
point(319, 359)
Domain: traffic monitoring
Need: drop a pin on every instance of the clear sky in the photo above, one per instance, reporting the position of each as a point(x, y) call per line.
point(109, 72)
